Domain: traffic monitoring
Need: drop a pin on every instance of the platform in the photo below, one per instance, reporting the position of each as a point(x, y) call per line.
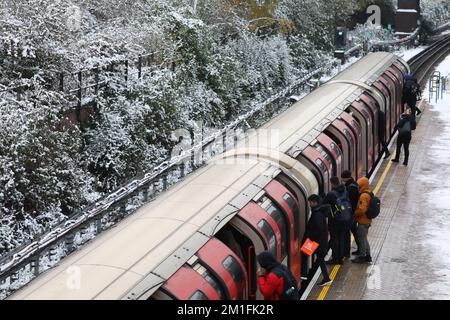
point(410, 240)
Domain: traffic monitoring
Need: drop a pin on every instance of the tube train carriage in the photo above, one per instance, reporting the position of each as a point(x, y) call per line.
point(199, 240)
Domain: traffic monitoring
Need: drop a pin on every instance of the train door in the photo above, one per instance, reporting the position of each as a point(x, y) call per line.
point(319, 166)
point(262, 233)
point(297, 203)
point(222, 263)
point(364, 117)
point(343, 136)
point(188, 284)
point(390, 85)
point(357, 132)
point(387, 109)
point(284, 209)
point(333, 149)
point(371, 105)
point(398, 82)
point(388, 112)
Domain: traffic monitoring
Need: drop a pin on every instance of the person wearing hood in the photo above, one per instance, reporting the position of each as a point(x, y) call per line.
point(339, 220)
point(317, 231)
point(271, 276)
point(363, 221)
point(270, 283)
point(353, 195)
point(404, 136)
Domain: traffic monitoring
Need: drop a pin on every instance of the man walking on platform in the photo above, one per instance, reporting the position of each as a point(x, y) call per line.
point(404, 136)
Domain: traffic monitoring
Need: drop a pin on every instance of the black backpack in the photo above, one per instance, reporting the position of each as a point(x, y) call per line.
point(343, 211)
point(290, 290)
point(374, 206)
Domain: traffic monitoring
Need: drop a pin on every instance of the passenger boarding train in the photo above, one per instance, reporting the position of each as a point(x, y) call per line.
point(199, 240)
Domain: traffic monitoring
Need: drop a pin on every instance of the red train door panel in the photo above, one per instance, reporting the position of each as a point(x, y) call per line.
point(277, 192)
point(365, 118)
point(389, 83)
point(356, 129)
point(371, 106)
point(321, 164)
point(334, 150)
point(187, 284)
point(393, 73)
point(389, 119)
point(216, 255)
point(264, 226)
point(348, 141)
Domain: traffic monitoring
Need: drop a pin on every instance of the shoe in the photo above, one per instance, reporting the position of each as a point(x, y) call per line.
point(359, 260)
point(418, 111)
point(325, 282)
point(356, 253)
point(405, 163)
point(368, 258)
point(387, 155)
point(334, 261)
point(394, 160)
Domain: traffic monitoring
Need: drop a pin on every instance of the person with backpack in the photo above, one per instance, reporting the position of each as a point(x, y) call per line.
point(411, 93)
point(364, 222)
point(404, 136)
point(353, 195)
point(317, 231)
point(275, 280)
point(340, 217)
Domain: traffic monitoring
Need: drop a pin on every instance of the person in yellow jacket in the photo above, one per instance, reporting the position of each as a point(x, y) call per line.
point(363, 222)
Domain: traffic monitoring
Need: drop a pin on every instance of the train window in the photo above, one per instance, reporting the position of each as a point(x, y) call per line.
point(334, 147)
point(295, 210)
point(324, 170)
point(210, 279)
point(268, 206)
point(270, 235)
point(278, 217)
point(198, 295)
point(234, 268)
point(326, 156)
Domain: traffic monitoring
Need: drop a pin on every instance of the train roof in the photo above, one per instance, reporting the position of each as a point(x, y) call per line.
point(134, 258)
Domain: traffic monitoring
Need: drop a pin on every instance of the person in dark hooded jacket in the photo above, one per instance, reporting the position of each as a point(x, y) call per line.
point(404, 136)
point(339, 224)
point(353, 195)
point(270, 279)
point(317, 231)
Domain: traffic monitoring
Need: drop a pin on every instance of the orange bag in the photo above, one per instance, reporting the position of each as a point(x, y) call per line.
point(309, 247)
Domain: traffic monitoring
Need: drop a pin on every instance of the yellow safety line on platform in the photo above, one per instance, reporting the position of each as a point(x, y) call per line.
point(336, 268)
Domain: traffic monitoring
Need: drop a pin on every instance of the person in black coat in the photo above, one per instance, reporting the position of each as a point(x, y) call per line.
point(353, 195)
point(382, 133)
point(317, 231)
point(404, 136)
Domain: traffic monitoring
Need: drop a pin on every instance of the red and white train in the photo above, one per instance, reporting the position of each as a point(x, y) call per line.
point(199, 239)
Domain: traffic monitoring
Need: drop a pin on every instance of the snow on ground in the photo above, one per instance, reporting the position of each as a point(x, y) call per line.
point(407, 54)
point(438, 201)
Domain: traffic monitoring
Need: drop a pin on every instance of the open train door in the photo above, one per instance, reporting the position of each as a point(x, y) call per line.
point(226, 266)
point(365, 118)
point(357, 133)
point(333, 149)
point(371, 106)
point(319, 166)
point(341, 133)
point(390, 121)
point(263, 232)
